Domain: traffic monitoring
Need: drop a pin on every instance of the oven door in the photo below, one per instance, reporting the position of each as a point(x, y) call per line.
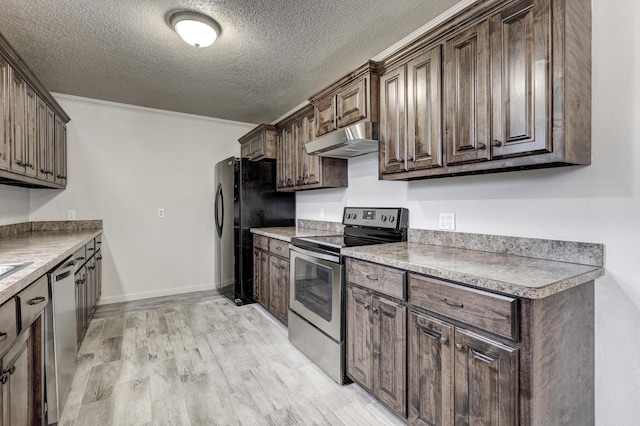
point(316, 289)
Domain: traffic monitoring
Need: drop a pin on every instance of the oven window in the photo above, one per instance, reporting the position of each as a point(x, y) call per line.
point(313, 285)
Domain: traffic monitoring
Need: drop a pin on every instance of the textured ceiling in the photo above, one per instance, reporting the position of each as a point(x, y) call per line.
point(271, 56)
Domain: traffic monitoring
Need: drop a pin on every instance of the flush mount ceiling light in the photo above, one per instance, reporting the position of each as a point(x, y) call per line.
point(196, 29)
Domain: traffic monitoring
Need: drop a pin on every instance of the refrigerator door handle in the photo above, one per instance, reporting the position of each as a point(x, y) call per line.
point(219, 210)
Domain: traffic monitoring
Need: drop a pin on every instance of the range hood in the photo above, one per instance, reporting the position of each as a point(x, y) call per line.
point(357, 139)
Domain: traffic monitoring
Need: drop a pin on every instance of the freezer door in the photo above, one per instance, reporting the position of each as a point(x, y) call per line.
point(224, 226)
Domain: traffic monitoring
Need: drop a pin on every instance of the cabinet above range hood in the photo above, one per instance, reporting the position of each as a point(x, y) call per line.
point(357, 139)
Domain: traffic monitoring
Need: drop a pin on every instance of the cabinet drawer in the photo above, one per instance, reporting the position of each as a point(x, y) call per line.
point(80, 255)
point(279, 247)
point(91, 248)
point(8, 329)
point(492, 312)
point(261, 242)
point(33, 300)
point(376, 277)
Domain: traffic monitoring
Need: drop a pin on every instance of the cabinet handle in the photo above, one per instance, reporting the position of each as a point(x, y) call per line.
point(458, 347)
point(482, 357)
point(366, 306)
point(80, 258)
point(29, 165)
point(12, 369)
point(451, 303)
point(372, 278)
point(5, 379)
point(430, 333)
point(43, 171)
point(20, 163)
point(374, 309)
point(37, 300)
point(3, 336)
point(278, 248)
point(496, 142)
point(481, 146)
point(443, 340)
point(90, 249)
point(99, 258)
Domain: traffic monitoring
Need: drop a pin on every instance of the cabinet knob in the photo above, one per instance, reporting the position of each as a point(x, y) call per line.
point(374, 309)
point(459, 347)
point(443, 340)
point(366, 306)
point(482, 146)
point(4, 379)
point(496, 142)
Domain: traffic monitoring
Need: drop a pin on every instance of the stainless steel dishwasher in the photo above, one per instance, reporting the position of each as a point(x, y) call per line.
point(61, 354)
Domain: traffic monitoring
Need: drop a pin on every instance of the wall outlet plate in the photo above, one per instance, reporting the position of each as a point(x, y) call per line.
point(447, 221)
point(160, 212)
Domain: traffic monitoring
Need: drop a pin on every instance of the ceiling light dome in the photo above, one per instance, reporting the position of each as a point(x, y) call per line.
point(196, 29)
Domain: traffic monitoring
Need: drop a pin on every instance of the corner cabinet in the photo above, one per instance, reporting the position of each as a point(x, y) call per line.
point(33, 134)
point(88, 284)
point(295, 169)
point(271, 275)
point(442, 353)
point(516, 92)
point(259, 143)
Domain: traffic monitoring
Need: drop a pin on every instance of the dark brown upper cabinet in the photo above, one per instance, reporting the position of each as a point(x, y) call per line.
point(515, 92)
point(351, 99)
point(33, 127)
point(259, 143)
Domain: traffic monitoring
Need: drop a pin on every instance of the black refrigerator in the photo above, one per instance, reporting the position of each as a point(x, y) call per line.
point(245, 198)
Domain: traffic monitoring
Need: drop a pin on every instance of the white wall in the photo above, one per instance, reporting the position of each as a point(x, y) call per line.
point(598, 203)
point(126, 162)
point(14, 204)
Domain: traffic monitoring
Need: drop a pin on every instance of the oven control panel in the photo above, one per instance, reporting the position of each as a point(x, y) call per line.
point(383, 217)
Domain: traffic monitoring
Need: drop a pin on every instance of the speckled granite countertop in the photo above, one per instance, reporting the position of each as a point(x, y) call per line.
point(285, 233)
point(305, 228)
point(524, 267)
point(515, 275)
point(45, 249)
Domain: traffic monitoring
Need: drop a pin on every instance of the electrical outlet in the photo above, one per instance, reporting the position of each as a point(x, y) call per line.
point(160, 212)
point(447, 221)
point(71, 215)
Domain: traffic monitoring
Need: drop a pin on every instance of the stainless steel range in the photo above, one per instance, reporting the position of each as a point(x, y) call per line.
point(316, 314)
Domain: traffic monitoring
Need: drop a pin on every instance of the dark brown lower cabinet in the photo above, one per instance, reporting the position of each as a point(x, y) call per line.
point(376, 351)
point(279, 287)
point(459, 377)
point(17, 375)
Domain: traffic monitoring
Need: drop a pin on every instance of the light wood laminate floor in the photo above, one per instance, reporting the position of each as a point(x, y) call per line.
point(204, 361)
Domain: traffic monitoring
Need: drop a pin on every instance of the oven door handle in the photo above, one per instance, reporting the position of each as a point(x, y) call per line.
point(323, 256)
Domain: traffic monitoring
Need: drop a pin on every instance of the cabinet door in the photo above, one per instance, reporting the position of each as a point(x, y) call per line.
point(351, 103)
point(467, 108)
point(307, 166)
point(283, 286)
point(257, 274)
point(80, 278)
point(389, 354)
point(359, 337)
point(286, 161)
point(424, 111)
point(4, 114)
point(98, 276)
point(51, 145)
point(325, 115)
point(41, 137)
point(520, 43)
point(60, 151)
point(431, 373)
point(393, 128)
point(30, 131)
point(264, 279)
point(18, 383)
point(17, 120)
point(274, 280)
point(486, 381)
